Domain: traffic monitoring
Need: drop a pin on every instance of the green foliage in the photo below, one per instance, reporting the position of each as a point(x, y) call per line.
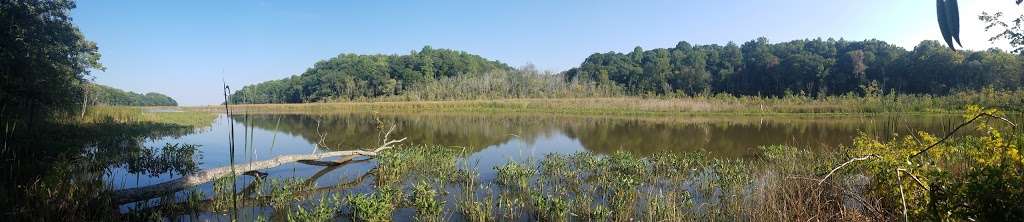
point(973, 177)
point(428, 208)
point(520, 83)
point(802, 67)
point(54, 197)
point(1011, 30)
point(321, 212)
point(105, 95)
point(376, 207)
point(45, 60)
point(550, 208)
point(351, 76)
point(285, 192)
point(223, 192)
point(514, 175)
point(815, 68)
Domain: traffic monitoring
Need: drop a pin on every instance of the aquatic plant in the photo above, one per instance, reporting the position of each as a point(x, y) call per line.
point(223, 194)
point(514, 175)
point(321, 211)
point(374, 207)
point(424, 199)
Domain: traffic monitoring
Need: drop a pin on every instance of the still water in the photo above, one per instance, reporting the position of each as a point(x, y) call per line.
point(494, 139)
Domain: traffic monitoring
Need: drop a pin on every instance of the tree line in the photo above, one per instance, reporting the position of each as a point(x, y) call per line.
point(351, 76)
point(818, 67)
point(100, 94)
point(810, 67)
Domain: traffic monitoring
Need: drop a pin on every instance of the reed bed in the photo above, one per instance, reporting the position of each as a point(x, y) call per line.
point(669, 105)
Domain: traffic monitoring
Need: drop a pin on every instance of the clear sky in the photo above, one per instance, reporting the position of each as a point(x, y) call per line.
point(185, 48)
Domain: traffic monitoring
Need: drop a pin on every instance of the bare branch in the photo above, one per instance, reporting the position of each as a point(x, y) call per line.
point(869, 156)
point(903, 199)
point(944, 138)
point(907, 172)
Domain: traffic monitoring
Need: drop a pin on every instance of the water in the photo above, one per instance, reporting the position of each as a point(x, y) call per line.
point(494, 139)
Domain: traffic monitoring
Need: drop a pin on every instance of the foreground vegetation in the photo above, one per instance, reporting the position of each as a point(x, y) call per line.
point(918, 177)
point(963, 177)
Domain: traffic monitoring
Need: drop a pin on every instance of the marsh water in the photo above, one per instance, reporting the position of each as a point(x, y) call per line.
point(493, 139)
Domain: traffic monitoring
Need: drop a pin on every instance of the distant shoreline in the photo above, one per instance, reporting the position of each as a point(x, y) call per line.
point(655, 106)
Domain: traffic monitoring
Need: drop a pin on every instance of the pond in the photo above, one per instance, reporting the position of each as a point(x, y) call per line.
point(491, 140)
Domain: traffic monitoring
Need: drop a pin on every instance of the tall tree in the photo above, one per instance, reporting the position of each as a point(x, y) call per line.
point(44, 59)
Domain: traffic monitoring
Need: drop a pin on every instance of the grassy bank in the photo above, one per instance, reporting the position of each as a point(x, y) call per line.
point(162, 115)
point(1006, 100)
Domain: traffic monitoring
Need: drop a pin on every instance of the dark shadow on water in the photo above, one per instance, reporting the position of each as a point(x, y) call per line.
point(57, 169)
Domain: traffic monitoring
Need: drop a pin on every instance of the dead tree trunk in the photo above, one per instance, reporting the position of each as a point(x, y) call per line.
point(148, 192)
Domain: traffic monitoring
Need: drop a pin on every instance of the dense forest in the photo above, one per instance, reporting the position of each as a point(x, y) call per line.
point(809, 67)
point(350, 76)
point(100, 94)
point(815, 67)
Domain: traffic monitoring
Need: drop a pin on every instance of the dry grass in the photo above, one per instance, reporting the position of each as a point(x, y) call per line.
point(666, 105)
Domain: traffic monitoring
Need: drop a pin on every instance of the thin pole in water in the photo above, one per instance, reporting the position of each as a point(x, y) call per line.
point(231, 147)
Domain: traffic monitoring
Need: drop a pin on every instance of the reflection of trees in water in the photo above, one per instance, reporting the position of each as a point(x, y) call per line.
point(734, 136)
point(725, 135)
point(176, 159)
point(348, 130)
point(127, 150)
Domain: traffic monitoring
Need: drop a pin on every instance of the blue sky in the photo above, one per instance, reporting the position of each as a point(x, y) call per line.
point(185, 48)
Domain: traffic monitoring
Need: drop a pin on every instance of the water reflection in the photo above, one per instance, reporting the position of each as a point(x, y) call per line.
point(728, 136)
point(492, 139)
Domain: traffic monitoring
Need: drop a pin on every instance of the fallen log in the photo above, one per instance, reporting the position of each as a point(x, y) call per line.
point(148, 192)
point(206, 205)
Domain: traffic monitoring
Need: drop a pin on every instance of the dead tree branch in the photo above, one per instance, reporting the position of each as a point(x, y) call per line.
point(148, 192)
point(944, 138)
point(844, 164)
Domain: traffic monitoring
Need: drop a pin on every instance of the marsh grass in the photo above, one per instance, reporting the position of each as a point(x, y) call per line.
point(671, 105)
point(125, 114)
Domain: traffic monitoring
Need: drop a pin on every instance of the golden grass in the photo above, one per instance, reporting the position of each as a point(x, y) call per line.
point(633, 105)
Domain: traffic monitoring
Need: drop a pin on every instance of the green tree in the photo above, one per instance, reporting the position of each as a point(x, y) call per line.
point(1011, 30)
point(45, 60)
point(351, 76)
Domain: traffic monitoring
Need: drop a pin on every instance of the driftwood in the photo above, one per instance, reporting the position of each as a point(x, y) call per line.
point(207, 205)
point(148, 192)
